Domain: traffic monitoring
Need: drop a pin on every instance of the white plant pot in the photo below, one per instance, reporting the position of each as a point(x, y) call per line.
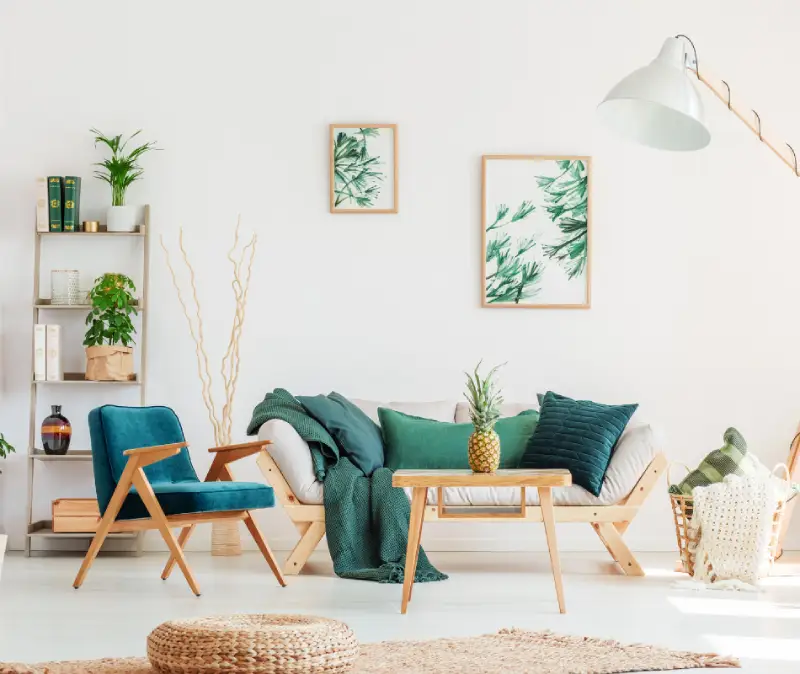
point(121, 218)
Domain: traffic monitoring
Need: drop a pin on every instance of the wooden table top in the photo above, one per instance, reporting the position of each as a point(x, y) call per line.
point(528, 477)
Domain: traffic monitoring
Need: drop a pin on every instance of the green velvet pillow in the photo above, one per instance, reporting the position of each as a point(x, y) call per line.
point(358, 436)
point(578, 435)
point(417, 443)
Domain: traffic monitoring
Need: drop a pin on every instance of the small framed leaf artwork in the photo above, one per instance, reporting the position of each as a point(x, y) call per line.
point(363, 168)
point(536, 232)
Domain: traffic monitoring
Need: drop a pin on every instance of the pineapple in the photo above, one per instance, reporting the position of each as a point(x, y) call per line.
point(484, 410)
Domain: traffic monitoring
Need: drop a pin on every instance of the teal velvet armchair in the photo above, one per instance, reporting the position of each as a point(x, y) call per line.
point(145, 479)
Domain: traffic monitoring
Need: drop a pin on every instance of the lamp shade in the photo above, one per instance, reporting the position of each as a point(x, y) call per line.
point(658, 105)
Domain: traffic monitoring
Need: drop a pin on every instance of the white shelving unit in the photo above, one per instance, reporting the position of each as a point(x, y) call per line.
point(43, 529)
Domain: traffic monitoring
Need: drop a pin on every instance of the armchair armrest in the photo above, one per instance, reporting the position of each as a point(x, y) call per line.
point(224, 455)
point(144, 456)
point(177, 446)
point(255, 446)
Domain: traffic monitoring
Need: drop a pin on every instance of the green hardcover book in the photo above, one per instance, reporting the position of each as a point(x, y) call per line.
point(72, 202)
point(54, 187)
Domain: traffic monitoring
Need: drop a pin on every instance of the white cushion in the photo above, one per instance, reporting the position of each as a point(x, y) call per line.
point(440, 410)
point(506, 410)
point(293, 456)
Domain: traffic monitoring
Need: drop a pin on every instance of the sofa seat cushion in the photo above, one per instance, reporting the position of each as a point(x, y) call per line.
point(177, 498)
point(464, 497)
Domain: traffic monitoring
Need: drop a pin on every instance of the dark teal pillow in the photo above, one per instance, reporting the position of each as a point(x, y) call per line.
point(417, 443)
point(358, 436)
point(578, 435)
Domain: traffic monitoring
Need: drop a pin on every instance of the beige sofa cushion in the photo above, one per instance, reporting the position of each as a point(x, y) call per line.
point(506, 410)
point(441, 410)
point(636, 448)
point(293, 457)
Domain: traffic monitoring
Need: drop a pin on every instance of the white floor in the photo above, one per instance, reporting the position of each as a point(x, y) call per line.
point(43, 618)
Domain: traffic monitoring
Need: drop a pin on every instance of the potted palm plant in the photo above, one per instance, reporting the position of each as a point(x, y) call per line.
point(120, 171)
point(108, 340)
point(5, 449)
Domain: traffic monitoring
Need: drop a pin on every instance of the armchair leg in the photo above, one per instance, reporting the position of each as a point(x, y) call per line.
point(112, 510)
point(184, 536)
point(157, 514)
point(305, 546)
point(258, 537)
point(94, 548)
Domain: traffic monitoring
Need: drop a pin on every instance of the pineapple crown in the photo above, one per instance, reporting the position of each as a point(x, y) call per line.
point(484, 399)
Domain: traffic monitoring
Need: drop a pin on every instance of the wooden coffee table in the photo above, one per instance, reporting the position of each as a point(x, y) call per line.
point(422, 480)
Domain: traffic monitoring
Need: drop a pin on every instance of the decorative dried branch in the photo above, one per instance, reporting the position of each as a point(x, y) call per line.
point(242, 269)
point(230, 361)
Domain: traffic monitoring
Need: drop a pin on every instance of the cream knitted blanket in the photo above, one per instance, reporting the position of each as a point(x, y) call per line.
point(733, 523)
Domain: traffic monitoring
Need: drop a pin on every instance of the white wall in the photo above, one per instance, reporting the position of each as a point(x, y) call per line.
point(694, 269)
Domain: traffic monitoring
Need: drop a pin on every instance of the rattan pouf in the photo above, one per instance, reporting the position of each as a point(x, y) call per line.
point(268, 644)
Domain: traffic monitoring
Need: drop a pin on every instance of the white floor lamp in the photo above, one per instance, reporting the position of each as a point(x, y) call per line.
point(658, 106)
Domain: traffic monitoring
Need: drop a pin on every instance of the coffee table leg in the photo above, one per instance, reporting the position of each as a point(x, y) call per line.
point(418, 498)
point(548, 517)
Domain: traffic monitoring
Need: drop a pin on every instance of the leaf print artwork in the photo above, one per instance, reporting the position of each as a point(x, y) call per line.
point(363, 168)
point(535, 231)
point(512, 278)
point(357, 175)
point(567, 198)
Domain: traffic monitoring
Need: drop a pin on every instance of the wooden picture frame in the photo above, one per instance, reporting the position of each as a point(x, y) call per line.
point(549, 226)
point(377, 176)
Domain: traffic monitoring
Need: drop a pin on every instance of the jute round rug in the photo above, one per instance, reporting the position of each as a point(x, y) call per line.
point(510, 650)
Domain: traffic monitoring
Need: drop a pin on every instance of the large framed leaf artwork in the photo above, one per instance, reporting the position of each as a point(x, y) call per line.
point(363, 168)
point(536, 232)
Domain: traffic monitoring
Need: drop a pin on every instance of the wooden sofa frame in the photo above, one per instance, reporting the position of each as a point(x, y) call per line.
point(609, 522)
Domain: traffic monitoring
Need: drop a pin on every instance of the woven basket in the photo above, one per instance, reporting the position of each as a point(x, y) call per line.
point(682, 511)
point(262, 644)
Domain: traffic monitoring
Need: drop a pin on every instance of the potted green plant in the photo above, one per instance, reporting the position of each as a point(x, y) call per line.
point(108, 340)
point(119, 171)
point(6, 448)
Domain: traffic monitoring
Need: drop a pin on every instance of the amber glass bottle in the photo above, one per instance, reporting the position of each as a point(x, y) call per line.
point(56, 432)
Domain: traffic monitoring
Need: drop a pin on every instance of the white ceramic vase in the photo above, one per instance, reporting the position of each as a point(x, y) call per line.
point(121, 218)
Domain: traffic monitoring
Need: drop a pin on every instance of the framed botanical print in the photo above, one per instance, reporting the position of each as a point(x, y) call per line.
point(536, 232)
point(363, 168)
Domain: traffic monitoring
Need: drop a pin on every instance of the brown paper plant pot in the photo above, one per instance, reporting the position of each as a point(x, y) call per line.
point(109, 363)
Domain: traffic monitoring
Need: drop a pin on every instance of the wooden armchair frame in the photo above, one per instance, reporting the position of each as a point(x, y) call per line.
point(134, 475)
point(609, 522)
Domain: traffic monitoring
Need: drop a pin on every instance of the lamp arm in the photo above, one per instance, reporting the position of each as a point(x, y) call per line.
point(726, 99)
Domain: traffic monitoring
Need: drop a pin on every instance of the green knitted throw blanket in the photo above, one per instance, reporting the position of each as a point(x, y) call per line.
point(366, 519)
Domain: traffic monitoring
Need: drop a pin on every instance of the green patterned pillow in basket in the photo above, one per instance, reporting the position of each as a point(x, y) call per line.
point(730, 459)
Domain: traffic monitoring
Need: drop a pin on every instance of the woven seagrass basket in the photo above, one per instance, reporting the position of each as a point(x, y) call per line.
point(682, 511)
